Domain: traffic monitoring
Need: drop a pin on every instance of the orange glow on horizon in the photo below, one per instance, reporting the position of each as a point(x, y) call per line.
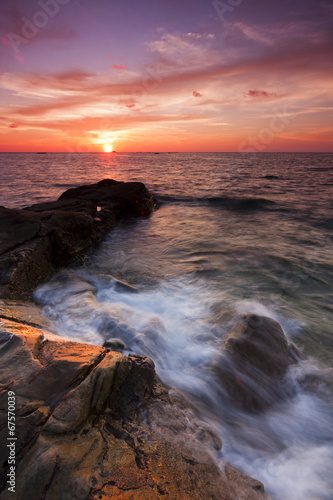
point(296, 137)
point(177, 93)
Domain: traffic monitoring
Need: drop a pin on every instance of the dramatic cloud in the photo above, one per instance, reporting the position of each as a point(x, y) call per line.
point(247, 73)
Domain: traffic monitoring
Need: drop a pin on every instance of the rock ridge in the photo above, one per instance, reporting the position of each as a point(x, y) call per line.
point(96, 424)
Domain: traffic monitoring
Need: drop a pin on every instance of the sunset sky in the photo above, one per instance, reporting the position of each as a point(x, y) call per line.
point(166, 75)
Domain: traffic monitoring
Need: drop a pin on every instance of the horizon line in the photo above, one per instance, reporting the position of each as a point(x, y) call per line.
point(163, 152)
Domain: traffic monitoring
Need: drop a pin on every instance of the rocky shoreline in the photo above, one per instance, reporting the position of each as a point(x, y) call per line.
point(37, 240)
point(95, 424)
point(92, 423)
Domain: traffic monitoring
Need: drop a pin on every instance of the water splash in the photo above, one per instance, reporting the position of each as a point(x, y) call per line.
point(178, 324)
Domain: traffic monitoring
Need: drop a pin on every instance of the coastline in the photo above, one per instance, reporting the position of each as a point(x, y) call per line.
point(93, 423)
point(72, 398)
point(53, 234)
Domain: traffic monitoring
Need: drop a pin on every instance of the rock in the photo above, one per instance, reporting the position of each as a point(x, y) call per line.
point(114, 344)
point(25, 312)
point(94, 424)
point(255, 358)
point(130, 198)
point(38, 239)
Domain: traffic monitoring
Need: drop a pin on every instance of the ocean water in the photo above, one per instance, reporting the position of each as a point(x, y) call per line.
point(232, 233)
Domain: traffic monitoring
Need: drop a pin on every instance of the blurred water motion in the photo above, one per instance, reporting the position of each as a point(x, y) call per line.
point(232, 234)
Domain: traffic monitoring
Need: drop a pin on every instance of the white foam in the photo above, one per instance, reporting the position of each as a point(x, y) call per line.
point(288, 449)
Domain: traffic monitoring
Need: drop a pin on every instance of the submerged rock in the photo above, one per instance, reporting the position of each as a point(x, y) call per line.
point(114, 344)
point(38, 239)
point(255, 358)
point(94, 424)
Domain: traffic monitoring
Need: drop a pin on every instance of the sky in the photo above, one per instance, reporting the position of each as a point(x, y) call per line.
point(166, 75)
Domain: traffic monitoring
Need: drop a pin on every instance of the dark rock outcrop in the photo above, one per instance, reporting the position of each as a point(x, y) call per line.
point(255, 358)
point(38, 239)
point(94, 424)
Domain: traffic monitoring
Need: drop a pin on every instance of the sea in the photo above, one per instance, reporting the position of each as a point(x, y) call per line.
point(231, 233)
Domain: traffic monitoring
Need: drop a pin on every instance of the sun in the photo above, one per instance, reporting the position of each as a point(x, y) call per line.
point(107, 148)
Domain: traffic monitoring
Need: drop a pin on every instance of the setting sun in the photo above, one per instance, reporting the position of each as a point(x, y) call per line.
point(107, 148)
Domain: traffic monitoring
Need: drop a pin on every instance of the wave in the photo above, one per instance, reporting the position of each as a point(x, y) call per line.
point(227, 202)
point(272, 177)
point(325, 224)
point(181, 325)
point(64, 185)
point(321, 169)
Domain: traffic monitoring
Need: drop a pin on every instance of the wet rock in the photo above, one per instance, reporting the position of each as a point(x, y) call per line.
point(254, 361)
point(260, 342)
point(24, 312)
point(110, 326)
point(94, 424)
point(38, 239)
point(114, 344)
point(129, 198)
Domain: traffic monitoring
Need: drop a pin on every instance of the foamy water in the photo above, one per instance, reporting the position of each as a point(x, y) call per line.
point(289, 448)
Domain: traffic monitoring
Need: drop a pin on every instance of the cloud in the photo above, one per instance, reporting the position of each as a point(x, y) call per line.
point(75, 102)
point(258, 93)
point(94, 125)
point(252, 33)
point(118, 67)
point(200, 36)
point(207, 70)
point(282, 34)
point(19, 29)
point(183, 51)
point(74, 75)
point(195, 36)
point(81, 93)
point(45, 86)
